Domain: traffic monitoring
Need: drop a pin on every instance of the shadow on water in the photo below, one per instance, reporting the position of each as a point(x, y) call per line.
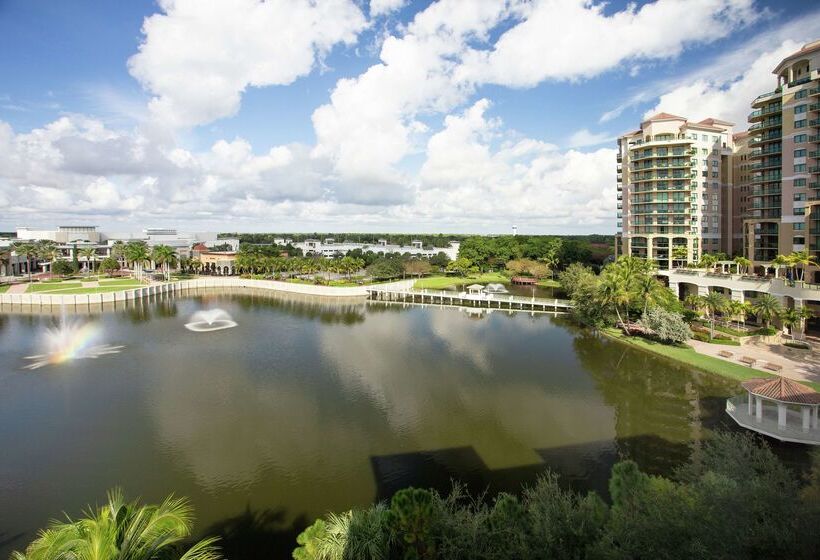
point(582, 468)
point(262, 533)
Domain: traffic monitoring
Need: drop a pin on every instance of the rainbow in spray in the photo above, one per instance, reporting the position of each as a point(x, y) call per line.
point(70, 341)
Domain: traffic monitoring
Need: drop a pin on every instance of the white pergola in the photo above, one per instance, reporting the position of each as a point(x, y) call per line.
point(792, 400)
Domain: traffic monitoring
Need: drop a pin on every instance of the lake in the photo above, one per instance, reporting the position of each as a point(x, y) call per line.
point(309, 406)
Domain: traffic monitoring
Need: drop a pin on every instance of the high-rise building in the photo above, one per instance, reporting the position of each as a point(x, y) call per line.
point(784, 214)
point(739, 196)
point(674, 189)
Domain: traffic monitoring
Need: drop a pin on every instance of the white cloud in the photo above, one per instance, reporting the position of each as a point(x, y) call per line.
point(198, 57)
point(575, 39)
point(384, 7)
point(465, 179)
point(584, 137)
point(724, 87)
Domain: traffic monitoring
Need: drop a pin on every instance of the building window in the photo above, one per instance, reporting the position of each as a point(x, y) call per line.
point(800, 153)
point(800, 168)
point(800, 124)
point(801, 94)
point(799, 196)
point(799, 240)
point(704, 137)
point(715, 174)
point(799, 109)
point(799, 182)
point(798, 138)
point(800, 211)
point(799, 226)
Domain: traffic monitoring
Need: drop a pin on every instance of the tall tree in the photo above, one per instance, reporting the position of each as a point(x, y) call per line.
point(767, 307)
point(714, 303)
point(28, 250)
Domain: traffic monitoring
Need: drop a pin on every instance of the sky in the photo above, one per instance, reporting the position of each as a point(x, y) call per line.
point(456, 116)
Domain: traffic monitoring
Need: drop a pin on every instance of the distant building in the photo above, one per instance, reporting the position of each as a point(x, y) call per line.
point(330, 248)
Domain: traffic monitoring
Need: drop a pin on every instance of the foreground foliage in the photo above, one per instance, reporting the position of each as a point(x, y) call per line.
point(735, 499)
point(122, 530)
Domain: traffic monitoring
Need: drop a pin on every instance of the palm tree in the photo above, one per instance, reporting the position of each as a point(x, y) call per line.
point(136, 253)
point(767, 307)
point(714, 302)
point(803, 259)
point(738, 311)
point(778, 262)
point(743, 264)
point(89, 254)
point(614, 291)
point(118, 251)
point(707, 261)
point(680, 254)
point(804, 313)
point(5, 261)
point(650, 290)
point(165, 257)
point(120, 530)
point(28, 250)
point(790, 318)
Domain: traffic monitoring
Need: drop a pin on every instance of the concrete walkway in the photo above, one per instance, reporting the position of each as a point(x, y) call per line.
point(17, 289)
point(800, 365)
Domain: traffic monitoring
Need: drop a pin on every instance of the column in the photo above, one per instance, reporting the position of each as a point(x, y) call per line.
point(703, 290)
point(758, 409)
point(815, 419)
point(737, 295)
point(674, 288)
point(781, 416)
point(750, 400)
point(806, 417)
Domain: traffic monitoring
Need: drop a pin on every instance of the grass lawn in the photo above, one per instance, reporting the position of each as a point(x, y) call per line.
point(688, 356)
point(549, 283)
point(120, 282)
point(100, 290)
point(3, 288)
point(442, 282)
point(52, 286)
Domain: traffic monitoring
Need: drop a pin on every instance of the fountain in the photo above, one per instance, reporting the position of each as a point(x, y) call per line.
point(208, 320)
point(70, 340)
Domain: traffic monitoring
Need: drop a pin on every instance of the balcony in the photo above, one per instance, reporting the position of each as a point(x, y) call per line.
point(769, 137)
point(766, 97)
point(754, 115)
point(770, 149)
point(766, 165)
point(769, 123)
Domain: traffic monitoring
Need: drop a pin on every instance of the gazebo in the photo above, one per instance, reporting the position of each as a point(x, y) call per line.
point(793, 418)
point(475, 289)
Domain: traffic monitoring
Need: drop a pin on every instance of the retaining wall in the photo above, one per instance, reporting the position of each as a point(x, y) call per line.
point(183, 286)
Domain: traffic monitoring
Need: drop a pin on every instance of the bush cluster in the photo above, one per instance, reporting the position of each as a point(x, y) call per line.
point(736, 500)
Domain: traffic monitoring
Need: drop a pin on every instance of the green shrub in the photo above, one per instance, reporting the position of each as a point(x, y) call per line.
point(796, 344)
point(704, 337)
point(765, 331)
point(666, 326)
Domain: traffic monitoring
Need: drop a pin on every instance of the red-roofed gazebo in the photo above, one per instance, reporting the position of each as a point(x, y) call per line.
point(792, 399)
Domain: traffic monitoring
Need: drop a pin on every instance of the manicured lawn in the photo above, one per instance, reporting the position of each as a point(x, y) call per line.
point(52, 286)
point(442, 282)
point(549, 283)
point(688, 356)
point(120, 282)
point(3, 288)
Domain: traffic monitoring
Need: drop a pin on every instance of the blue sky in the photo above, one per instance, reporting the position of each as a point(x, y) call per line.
point(396, 116)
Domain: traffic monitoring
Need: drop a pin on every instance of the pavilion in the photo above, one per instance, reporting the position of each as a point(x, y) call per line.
point(794, 417)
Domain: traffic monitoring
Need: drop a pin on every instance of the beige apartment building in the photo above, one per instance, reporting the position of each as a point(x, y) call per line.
point(784, 214)
point(674, 189)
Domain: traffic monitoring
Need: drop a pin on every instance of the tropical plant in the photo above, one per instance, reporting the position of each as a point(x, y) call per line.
point(614, 291)
point(680, 254)
point(118, 252)
point(29, 251)
point(714, 303)
point(462, 266)
point(743, 264)
point(665, 325)
point(137, 255)
point(122, 530)
point(89, 254)
point(61, 268)
point(738, 310)
point(707, 261)
point(801, 260)
point(779, 262)
point(766, 307)
point(651, 291)
point(109, 265)
point(790, 318)
point(165, 257)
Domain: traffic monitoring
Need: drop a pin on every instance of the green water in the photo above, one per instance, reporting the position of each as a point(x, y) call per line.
point(309, 406)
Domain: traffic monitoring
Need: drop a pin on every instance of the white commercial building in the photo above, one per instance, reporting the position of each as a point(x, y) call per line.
point(329, 247)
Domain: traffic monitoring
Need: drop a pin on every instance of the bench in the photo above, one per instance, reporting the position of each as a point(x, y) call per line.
point(748, 360)
point(725, 354)
point(772, 367)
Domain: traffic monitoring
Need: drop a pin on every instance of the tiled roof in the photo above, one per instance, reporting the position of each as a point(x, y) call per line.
point(711, 122)
point(662, 116)
point(783, 390)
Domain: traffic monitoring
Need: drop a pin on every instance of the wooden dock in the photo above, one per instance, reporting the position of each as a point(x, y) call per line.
point(462, 299)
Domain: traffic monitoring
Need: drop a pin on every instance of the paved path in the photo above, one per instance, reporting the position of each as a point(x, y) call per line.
point(90, 284)
point(17, 288)
point(800, 365)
